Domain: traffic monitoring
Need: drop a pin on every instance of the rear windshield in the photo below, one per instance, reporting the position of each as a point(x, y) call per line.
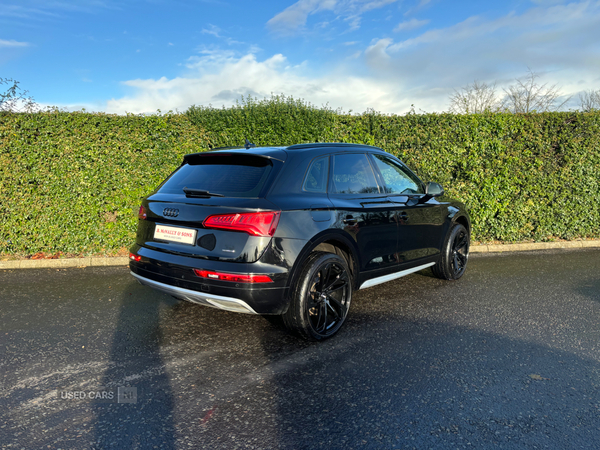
point(228, 175)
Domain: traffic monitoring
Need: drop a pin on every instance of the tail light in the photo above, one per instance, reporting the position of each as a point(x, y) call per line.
point(236, 277)
point(255, 224)
point(134, 257)
point(142, 213)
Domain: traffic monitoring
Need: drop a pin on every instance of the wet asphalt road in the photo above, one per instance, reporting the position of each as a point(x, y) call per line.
point(507, 357)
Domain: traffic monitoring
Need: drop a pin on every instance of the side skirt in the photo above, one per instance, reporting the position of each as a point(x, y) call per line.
point(393, 276)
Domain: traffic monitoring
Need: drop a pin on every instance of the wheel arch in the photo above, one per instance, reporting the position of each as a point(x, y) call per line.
point(332, 242)
point(464, 221)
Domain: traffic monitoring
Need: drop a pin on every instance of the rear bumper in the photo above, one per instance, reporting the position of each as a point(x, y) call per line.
point(174, 275)
point(216, 301)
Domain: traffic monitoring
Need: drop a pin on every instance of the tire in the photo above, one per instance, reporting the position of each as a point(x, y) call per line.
point(455, 254)
point(321, 297)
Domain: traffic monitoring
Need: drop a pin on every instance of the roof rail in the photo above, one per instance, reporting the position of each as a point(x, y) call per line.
point(247, 145)
point(226, 148)
point(329, 144)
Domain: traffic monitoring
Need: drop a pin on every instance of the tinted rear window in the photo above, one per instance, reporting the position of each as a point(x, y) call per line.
point(352, 174)
point(231, 176)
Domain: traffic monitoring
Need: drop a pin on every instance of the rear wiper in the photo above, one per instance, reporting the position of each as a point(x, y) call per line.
point(199, 193)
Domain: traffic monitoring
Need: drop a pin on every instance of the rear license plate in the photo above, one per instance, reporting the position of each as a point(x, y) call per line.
point(175, 234)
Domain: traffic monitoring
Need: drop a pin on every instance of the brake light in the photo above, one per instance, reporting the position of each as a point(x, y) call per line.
point(134, 257)
point(142, 213)
point(236, 277)
point(255, 224)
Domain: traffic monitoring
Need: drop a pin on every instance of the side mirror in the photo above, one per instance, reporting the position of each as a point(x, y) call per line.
point(434, 189)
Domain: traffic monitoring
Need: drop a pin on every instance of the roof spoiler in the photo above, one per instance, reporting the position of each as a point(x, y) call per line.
point(247, 159)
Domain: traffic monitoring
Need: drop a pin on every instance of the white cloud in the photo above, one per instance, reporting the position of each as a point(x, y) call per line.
point(212, 29)
point(13, 43)
point(44, 9)
point(294, 18)
point(217, 32)
point(411, 24)
point(373, 4)
point(220, 78)
point(423, 4)
point(95, 106)
point(22, 12)
point(558, 42)
point(376, 54)
point(534, 22)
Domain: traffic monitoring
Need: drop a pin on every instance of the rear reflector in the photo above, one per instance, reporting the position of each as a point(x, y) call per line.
point(255, 224)
point(134, 257)
point(236, 277)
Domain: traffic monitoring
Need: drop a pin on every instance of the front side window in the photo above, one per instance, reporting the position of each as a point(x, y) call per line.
point(397, 179)
point(352, 174)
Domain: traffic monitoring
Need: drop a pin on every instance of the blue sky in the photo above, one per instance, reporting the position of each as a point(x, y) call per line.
point(144, 55)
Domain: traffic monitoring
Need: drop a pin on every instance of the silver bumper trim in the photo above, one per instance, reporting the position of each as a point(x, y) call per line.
point(202, 298)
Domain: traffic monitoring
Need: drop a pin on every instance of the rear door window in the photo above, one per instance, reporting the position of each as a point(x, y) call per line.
point(352, 174)
point(228, 175)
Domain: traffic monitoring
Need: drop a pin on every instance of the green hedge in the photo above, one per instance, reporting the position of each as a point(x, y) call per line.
point(71, 182)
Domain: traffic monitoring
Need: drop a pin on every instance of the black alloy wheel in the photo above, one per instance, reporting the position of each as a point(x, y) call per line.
point(322, 297)
point(455, 254)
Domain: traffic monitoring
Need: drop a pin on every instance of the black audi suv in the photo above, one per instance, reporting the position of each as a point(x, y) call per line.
point(294, 231)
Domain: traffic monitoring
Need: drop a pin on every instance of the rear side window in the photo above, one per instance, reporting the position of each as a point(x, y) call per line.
point(316, 177)
point(352, 174)
point(228, 175)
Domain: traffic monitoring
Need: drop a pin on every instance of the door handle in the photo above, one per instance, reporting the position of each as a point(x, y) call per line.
point(349, 220)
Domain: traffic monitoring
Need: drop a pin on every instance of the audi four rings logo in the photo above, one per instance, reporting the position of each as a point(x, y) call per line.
point(170, 212)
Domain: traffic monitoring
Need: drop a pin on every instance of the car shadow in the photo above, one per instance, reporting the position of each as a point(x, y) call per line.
point(591, 289)
point(135, 361)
